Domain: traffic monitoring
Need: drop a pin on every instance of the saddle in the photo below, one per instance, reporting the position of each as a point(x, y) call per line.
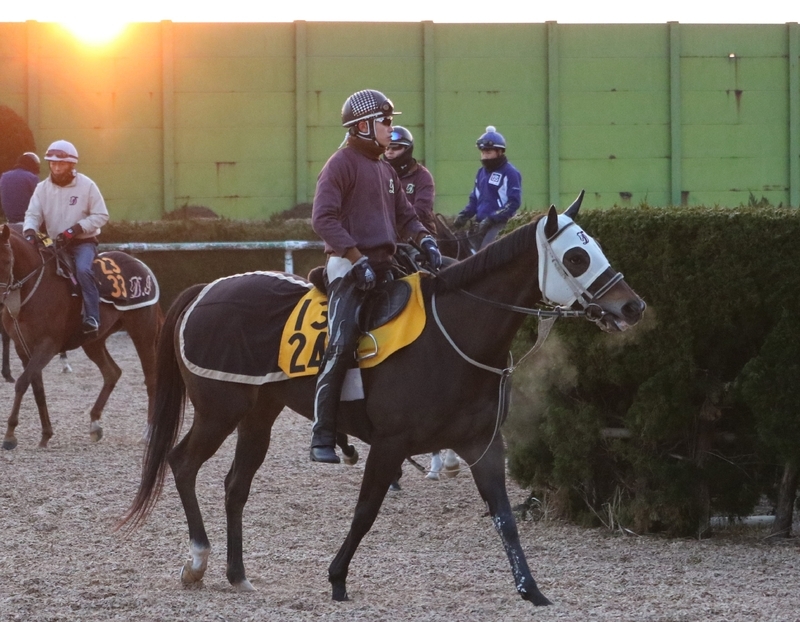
point(381, 305)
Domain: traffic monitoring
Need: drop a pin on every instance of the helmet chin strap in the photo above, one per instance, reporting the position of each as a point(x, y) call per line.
point(370, 134)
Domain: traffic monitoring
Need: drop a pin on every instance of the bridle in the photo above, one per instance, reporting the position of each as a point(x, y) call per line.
point(547, 315)
point(11, 291)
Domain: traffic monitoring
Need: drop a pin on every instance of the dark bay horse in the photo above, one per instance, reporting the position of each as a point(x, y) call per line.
point(454, 244)
point(445, 389)
point(48, 320)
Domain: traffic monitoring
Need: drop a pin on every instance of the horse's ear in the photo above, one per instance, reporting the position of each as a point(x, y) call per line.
point(572, 210)
point(4, 234)
point(551, 225)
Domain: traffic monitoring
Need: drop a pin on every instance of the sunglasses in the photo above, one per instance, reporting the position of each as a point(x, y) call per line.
point(387, 121)
point(395, 147)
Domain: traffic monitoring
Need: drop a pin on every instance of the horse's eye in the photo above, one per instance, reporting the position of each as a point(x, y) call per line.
point(576, 261)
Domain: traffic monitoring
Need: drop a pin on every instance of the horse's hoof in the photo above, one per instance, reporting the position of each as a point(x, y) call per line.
point(451, 471)
point(244, 586)
point(352, 458)
point(339, 593)
point(452, 465)
point(9, 378)
point(10, 443)
point(189, 576)
point(536, 597)
point(95, 431)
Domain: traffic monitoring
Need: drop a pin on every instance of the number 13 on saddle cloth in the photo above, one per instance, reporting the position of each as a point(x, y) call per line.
point(275, 328)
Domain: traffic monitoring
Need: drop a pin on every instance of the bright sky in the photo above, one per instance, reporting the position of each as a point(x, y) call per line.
point(537, 11)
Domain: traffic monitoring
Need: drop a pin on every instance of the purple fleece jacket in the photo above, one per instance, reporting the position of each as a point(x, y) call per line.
point(359, 203)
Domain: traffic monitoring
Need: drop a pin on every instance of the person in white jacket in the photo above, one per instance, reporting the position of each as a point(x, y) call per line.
point(70, 206)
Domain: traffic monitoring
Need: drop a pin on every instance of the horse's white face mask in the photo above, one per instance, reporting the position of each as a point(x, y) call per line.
point(559, 286)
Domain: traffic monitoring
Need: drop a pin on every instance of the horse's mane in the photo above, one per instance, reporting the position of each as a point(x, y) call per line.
point(490, 258)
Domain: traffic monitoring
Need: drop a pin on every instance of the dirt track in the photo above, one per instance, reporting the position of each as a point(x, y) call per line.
point(431, 554)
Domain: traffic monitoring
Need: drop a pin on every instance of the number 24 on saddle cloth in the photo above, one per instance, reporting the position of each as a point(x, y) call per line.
point(305, 333)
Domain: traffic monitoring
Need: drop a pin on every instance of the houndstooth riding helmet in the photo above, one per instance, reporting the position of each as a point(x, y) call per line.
point(364, 105)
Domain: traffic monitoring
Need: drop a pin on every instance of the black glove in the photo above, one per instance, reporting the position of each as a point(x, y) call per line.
point(460, 221)
point(66, 236)
point(434, 256)
point(364, 274)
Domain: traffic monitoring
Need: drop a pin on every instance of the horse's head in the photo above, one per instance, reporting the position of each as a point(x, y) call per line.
point(574, 272)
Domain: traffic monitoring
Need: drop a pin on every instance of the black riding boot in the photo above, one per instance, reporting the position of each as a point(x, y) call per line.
point(344, 303)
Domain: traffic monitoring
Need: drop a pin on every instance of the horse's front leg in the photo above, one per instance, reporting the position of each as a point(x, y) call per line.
point(490, 478)
point(384, 459)
point(31, 375)
point(7, 357)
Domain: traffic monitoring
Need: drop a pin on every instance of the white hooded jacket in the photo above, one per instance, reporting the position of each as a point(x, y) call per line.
point(61, 207)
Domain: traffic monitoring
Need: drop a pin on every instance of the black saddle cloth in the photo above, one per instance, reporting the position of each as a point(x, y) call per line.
point(233, 330)
point(125, 281)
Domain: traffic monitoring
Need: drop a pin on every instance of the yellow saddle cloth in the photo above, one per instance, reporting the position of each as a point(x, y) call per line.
point(305, 333)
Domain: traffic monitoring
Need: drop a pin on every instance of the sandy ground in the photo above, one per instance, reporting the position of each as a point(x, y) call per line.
point(431, 555)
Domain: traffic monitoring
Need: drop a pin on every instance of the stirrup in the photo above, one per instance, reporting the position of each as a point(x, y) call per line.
point(90, 325)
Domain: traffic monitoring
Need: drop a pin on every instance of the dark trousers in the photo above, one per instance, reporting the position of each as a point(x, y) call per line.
point(344, 304)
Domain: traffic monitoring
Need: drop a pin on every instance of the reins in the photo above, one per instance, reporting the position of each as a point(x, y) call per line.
point(546, 321)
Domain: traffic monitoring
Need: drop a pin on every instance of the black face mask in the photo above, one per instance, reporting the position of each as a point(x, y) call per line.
point(403, 162)
point(64, 179)
point(494, 163)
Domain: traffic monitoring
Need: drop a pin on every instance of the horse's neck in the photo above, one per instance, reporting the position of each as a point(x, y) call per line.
point(26, 258)
point(493, 328)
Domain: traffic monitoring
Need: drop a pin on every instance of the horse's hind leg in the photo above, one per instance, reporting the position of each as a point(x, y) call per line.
point(383, 461)
point(143, 328)
point(489, 474)
point(217, 414)
point(66, 368)
point(98, 354)
point(251, 448)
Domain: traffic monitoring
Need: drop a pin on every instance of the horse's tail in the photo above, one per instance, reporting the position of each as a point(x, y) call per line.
point(168, 410)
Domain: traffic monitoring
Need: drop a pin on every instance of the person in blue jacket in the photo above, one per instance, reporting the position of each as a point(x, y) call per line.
point(497, 193)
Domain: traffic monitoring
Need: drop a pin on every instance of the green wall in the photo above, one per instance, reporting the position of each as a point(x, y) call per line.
point(241, 117)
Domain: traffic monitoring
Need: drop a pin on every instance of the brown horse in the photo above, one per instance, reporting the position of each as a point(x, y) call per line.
point(446, 389)
point(43, 318)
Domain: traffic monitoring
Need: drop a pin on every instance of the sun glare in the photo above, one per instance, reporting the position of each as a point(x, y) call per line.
point(95, 32)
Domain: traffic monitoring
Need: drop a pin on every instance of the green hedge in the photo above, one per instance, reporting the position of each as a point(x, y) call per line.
point(652, 425)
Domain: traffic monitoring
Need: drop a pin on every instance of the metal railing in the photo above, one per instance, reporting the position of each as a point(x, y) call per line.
point(287, 245)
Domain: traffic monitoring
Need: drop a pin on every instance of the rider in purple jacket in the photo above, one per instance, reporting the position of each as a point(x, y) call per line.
point(358, 211)
point(416, 180)
point(497, 193)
